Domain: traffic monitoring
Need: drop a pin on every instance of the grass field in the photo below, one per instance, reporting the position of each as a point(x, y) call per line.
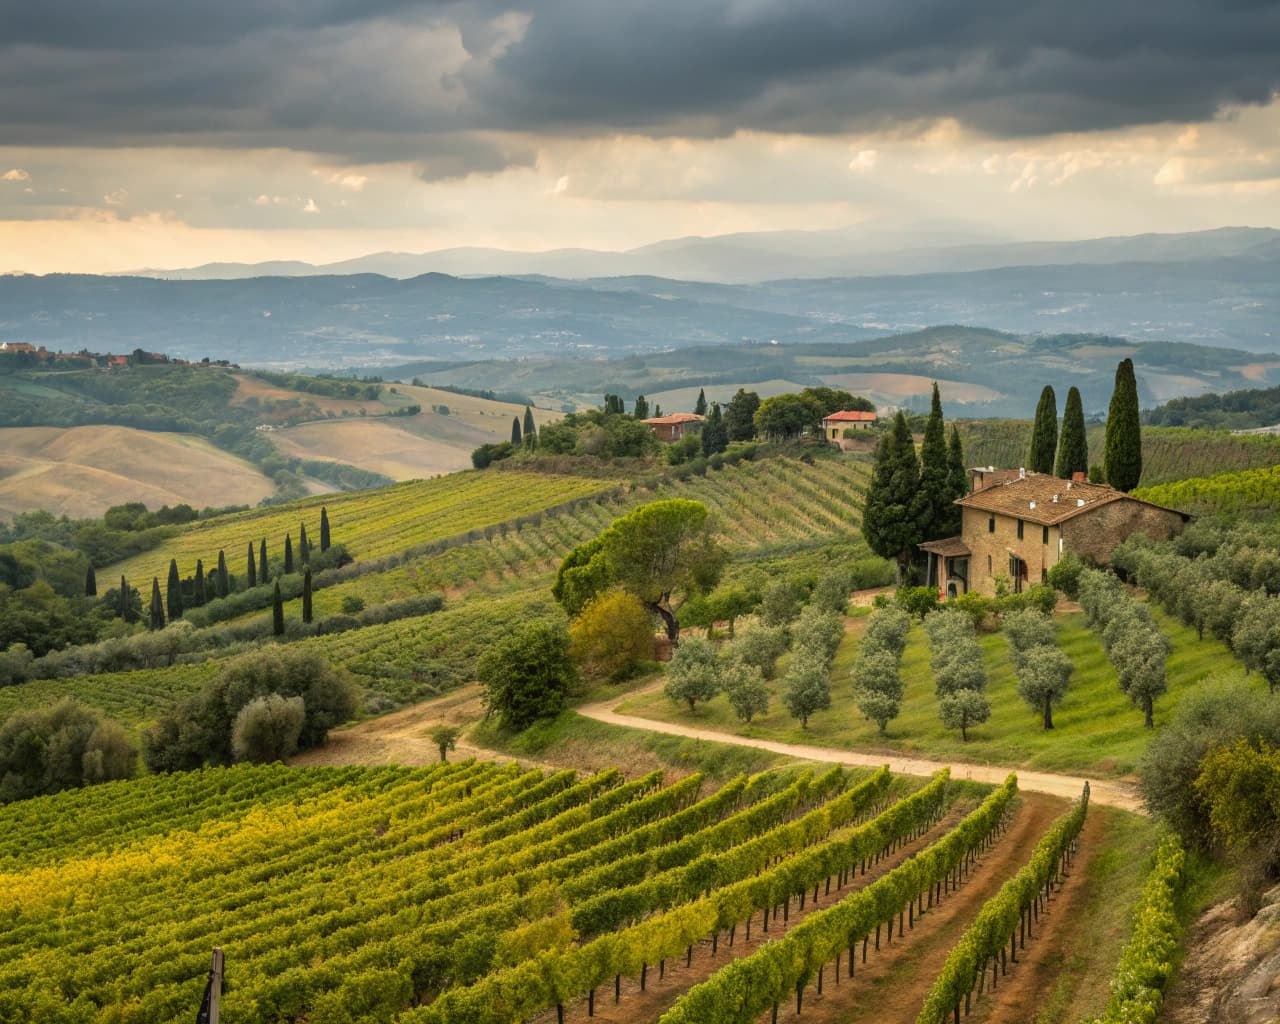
point(1096, 730)
point(369, 523)
point(83, 471)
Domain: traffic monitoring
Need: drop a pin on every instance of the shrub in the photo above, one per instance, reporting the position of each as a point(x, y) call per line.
point(613, 634)
point(445, 737)
point(65, 746)
point(1065, 575)
point(528, 674)
point(267, 728)
point(352, 604)
point(918, 601)
point(977, 606)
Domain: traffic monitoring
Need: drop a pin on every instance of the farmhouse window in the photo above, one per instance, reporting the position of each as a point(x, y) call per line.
point(1021, 524)
point(1046, 536)
point(991, 524)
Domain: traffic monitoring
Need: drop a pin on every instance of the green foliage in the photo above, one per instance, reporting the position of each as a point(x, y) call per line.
point(641, 408)
point(198, 730)
point(806, 689)
point(445, 737)
point(715, 435)
point(760, 647)
point(63, 746)
point(612, 635)
point(877, 684)
point(1235, 410)
point(783, 417)
point(1064, 575)
point(1246, 490)
point(1122, 457)
point(685, 450)
point(962, 709)
point(739, 415)
point(693, 675)
point(1073, 443)
point(1147, 964)
point(267, 729)
point(891, 519)
point(487, 454)
point(156, 618)
point(935, 494)
point(1043, 673)
point(745, 689)
point(1044, 433)
point(781, 601)
point(917, 601)
point(949, 520)
point(1213, 716)
point(700, 406)
point(527, 675)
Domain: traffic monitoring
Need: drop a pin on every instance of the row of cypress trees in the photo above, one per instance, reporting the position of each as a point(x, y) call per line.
point(1122, 452)
point(528, 434)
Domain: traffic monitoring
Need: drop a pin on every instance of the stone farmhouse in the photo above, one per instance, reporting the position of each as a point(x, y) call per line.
point(834, 426)
point(1018, 524)
point(675, 426)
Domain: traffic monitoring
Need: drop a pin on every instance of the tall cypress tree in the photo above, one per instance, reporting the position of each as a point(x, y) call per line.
point(201, 593)
point(324, 530)
point(934, 495)
point(224, 582)
point(157, 604)
point(1044, 435)
point(253, 567)
point(304, 549)
point(891, 517)
point(173, 591)
point(700, 407)
point(306, 595)
point(262, 561)
point(657, 411)
point(957, 485)
point(641, 411)
point(288, 554)
point(90, 583)
point(1122, 456)
point(277, 612)
point(1073, 444)
point(715, 436)
point(530, 429)
point(515, 431)
point(123, 610)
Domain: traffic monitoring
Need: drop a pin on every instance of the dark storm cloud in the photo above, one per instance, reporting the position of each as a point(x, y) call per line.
point(384, 79)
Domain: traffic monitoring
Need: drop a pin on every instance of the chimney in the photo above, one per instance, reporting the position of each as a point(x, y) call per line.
point(1068, 485)
point(1055, 499)
point(1022, 472)
point(1079, 502)
point(1078, 476)
point(1031, 505)
point(991, 469)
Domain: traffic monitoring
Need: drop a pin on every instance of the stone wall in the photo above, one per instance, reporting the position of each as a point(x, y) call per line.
point(1095, 534)
point(992, 549)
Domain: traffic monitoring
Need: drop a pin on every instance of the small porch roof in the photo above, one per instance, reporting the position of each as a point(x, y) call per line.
point(948, 547)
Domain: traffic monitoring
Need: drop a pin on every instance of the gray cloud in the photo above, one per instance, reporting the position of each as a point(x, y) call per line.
point(375, 80)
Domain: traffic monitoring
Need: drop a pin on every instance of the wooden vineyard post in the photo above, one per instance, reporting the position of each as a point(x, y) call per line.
point(211, 1005)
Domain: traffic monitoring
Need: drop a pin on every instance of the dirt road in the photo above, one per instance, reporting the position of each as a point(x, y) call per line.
point(1112, 794)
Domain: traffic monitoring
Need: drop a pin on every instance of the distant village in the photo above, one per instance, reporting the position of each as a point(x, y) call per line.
point(23, 355)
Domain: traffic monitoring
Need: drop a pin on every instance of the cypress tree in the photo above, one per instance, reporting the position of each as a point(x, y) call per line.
point(253, 568)
point(515, 431)
point(1122, 456)
point(277, 612)
point(306, 596)
point(173, 591)
point(224, 582)
point(1044, 435)
point(324, 530)
point(288, 554)
point(957, 485)
point(304, 549)
point(201, 594)
point(934, 494)
point(700, 407)
point(263, 571)
point(157, 604)
point(715, 435)
point(123, 610)
point(657, 411)
point(641, 408)
point(1073, 444)
point(891, 517)
point(530, 428)
point(90, 583)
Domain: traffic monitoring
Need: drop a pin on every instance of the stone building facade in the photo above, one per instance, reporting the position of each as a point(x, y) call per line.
point(1020, 527)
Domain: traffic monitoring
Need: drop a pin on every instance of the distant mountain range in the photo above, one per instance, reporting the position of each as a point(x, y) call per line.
point(766, 256)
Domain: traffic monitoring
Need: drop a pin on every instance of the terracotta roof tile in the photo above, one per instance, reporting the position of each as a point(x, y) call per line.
point(847, 416)
point(1047, 500)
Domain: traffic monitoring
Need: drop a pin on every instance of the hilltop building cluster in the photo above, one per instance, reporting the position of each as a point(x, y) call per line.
point(24, 355)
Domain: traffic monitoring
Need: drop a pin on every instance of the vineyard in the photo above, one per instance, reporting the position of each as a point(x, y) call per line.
point(1242, 491)
point(472, 892)
point(369, 523)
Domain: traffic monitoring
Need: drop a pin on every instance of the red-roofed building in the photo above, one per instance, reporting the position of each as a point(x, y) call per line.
point(834, 426)
point(675, 426)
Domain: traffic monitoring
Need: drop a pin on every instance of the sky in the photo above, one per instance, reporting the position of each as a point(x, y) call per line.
point(149, 133)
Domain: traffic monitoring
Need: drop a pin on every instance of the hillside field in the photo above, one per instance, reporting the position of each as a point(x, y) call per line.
point(82, 471)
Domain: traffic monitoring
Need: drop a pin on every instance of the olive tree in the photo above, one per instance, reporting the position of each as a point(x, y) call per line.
point(693, 675)
point(745, 687)
point(1043, 673)
point(806, 689)
point(878, 686)
point(267, 728)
